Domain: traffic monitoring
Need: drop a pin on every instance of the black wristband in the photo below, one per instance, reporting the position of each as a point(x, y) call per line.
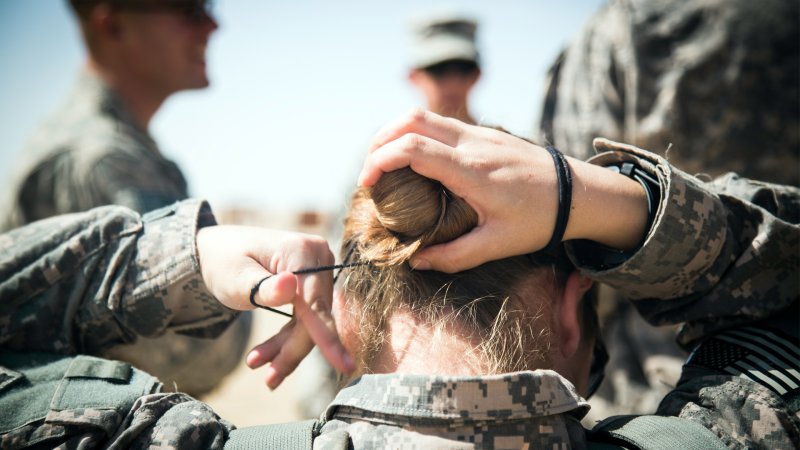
point(564, 178)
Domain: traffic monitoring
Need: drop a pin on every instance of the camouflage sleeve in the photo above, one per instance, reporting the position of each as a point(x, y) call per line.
point(172, 421)
point(711, 259)
point(81, 283)
point(120, 178)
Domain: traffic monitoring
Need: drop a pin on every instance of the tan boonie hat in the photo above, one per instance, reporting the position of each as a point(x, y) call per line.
point(443, 38)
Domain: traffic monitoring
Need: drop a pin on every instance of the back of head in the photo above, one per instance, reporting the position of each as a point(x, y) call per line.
point(489, 304)
point(441, 38)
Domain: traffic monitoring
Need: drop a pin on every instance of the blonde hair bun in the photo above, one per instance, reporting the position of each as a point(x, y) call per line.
point(410, 213)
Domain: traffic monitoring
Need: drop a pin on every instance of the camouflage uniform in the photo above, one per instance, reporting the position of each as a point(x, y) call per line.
point(719, 80)
point(711, 259)
point(92, 153)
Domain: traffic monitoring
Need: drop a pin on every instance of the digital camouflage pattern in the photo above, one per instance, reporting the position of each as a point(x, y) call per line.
point(92, 153)
point(85, 282)
point(719, 80)
point(713, 86)
point(537, 409)
point(712, 245)
point(701, 240)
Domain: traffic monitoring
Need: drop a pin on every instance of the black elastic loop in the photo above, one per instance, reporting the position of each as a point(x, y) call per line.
point(564, 178)
point(253, 298)
point(255, 288)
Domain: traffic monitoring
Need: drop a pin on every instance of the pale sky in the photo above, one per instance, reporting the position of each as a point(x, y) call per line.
point(297, 88)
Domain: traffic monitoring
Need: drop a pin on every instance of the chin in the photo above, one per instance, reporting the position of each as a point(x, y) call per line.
point(200, 83)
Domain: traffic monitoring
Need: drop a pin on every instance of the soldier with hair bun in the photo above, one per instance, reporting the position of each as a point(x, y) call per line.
point(462, 300)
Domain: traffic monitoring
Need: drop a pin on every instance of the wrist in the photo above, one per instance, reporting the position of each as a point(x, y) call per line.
point(608, 208)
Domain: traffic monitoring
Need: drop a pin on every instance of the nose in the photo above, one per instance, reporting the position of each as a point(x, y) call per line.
point(208, 22)
point(212, 22)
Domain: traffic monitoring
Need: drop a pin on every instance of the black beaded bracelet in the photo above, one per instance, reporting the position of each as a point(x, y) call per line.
point(564, 178)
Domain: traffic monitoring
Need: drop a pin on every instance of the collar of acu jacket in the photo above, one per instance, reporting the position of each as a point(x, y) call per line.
point(400, 398)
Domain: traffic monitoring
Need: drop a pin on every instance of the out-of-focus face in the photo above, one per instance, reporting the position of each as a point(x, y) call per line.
point(166, 45)
point(446, 86)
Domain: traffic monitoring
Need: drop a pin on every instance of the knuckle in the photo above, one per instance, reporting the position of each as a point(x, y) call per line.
point(416, 116)
point(412, 141)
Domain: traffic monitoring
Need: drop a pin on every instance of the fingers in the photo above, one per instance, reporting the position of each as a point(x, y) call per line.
point(311, 295)
point(312, 324)
point(315, 313)
point(284, 351)
point(279, 289)
point(426, 156)
point(458, 255)
point(420, 122)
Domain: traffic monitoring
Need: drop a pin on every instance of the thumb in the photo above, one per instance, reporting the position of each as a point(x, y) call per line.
point(466, 252)
point(270, 289)
point(277, 290)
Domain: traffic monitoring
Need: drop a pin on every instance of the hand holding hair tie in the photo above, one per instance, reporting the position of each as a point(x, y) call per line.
point(234, 259)
point(513, 185)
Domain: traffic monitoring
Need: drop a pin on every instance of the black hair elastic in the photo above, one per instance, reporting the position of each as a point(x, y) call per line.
point(253, 292)
point(564, 178)
point(257, 286)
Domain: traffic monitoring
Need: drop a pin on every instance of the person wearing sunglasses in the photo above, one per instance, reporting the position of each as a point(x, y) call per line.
point(445, 64)
point(97, 150)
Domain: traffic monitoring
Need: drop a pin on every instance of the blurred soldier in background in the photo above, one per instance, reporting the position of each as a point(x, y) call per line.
point(715, 79)
point(96, 150)
point(712, 84)
point(445, 64)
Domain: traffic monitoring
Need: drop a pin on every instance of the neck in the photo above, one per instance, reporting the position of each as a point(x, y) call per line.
point(421, 348)
point(141, 101)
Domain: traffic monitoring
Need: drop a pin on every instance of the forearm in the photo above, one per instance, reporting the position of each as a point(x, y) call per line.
point(83, 282)
point(716, 259)
point(607, 207)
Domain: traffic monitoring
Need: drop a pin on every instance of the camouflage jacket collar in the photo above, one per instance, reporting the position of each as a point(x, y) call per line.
point(404, 398)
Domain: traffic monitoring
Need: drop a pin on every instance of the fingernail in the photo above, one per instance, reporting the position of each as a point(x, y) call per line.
point(271, 377)
point(252, 359)
point(420, 264)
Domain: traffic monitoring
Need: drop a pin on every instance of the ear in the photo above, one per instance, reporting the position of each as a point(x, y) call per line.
point(343, 317)
point(568, 312)
point(414, 76)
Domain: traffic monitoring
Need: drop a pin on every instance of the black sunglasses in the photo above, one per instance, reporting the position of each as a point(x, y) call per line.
point(454, 67)
point(194, 10)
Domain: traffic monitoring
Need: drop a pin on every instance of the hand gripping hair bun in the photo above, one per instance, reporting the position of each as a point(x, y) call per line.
point(412, 212)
